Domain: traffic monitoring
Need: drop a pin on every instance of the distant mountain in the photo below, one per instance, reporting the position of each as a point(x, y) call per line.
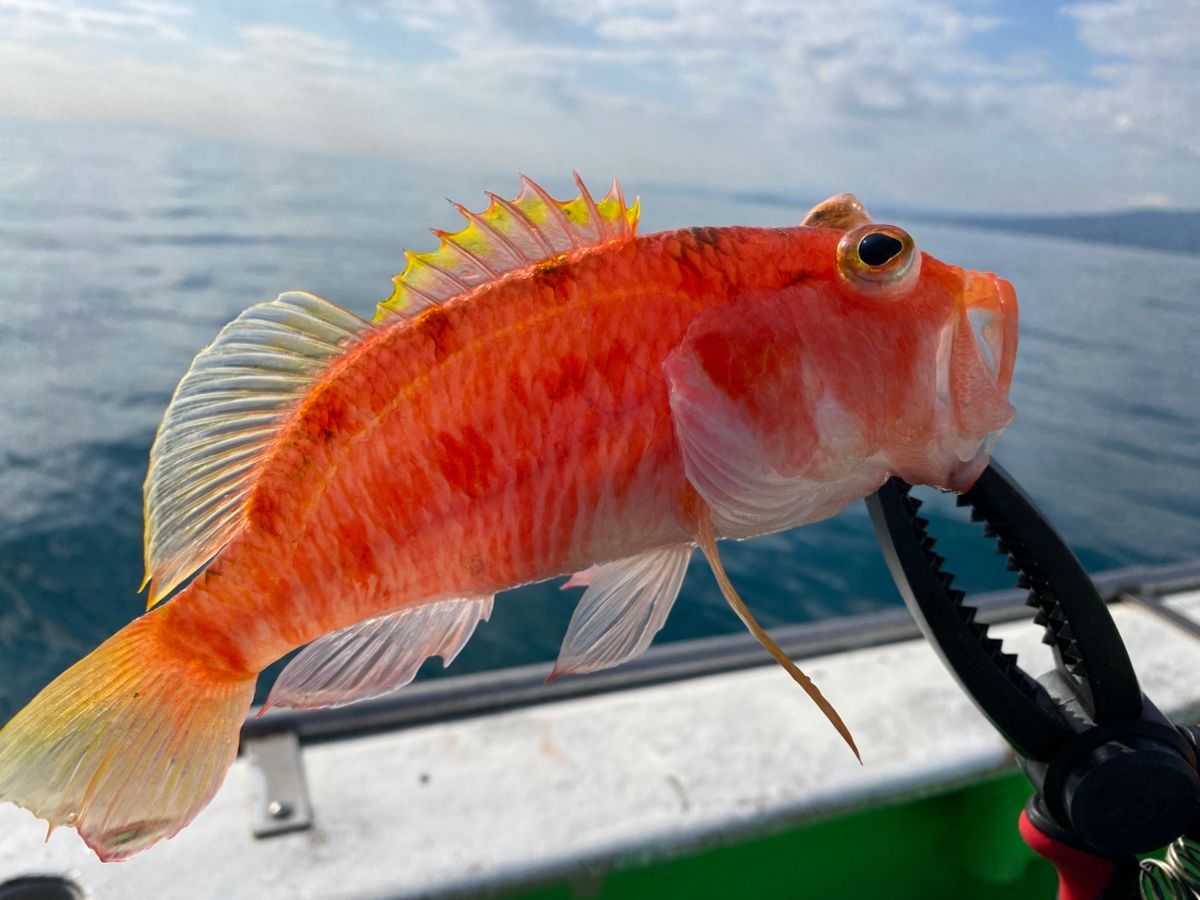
point(1173, 231)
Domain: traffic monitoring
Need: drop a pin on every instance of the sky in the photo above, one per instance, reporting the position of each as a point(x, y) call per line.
point(1021, 106)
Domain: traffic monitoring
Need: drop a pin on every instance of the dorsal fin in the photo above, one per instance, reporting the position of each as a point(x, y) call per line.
point(508, 235)
point(225, 414)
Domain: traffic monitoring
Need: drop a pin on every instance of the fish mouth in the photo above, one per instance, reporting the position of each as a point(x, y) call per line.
point(963, 472)
point(979, 360)
point(990, 304)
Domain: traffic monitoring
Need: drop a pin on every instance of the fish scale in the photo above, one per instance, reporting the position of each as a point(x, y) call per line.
point(603, 435)
point(450, 495)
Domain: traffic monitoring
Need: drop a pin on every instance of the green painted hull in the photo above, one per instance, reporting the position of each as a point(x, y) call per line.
point(962, 844)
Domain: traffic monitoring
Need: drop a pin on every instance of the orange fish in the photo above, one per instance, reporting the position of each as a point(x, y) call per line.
point(546, 393)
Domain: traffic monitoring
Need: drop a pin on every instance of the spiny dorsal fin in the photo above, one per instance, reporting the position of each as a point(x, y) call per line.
point(224, 416)
point(508, 235)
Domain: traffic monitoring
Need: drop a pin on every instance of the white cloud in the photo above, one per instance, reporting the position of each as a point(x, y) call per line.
point(810, 58)
point(274, 85)
point(34, 19)
point(1149, 74)
point(1141, 29)
point(278, 46)
point(895, 99)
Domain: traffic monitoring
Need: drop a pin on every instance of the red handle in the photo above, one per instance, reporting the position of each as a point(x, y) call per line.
point(1081, 876)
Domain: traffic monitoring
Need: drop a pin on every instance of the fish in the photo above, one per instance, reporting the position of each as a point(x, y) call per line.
point(546, 393)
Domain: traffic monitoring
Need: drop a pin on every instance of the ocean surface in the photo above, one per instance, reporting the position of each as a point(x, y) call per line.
point(123, 253)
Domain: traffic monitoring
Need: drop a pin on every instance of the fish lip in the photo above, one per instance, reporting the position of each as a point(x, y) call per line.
point(1009, 317)
point(980, 355)
point(980, 320)
point(964, 472)
point(990, 307)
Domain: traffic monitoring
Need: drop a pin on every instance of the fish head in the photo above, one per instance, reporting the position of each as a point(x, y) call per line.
point(853, 355)
point(946, 338)
point(974, 317)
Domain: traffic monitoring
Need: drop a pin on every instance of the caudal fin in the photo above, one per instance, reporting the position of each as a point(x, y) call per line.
point(127, 745)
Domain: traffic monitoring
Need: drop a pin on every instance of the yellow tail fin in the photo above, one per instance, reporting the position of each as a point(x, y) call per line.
point(127, 745)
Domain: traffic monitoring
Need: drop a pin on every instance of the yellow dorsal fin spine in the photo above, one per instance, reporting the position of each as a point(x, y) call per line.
point(593, 214)
point(545, 201)
point(486, 228)
point(519, 219)
point(508, 236)
point(448, 241)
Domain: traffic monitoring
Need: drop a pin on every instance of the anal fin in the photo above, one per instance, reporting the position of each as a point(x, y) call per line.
point(708, 544)
point(378, 655)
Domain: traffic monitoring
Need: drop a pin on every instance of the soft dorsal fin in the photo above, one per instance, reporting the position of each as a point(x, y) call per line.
point(508, 235)
point(378, 655)
point(224, 416)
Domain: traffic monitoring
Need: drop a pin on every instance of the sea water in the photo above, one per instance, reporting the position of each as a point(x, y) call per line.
point(123, 253)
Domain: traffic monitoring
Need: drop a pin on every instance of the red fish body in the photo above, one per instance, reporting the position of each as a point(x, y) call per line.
point(547, 393)
point(517, 433)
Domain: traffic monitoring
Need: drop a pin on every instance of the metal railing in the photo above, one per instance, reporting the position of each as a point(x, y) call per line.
point(461, 696)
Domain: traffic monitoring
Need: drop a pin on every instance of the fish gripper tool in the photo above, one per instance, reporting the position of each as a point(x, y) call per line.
point(1112, 776)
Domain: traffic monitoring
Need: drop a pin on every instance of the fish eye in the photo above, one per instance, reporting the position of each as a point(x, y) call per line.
point(880, 260)
point(878, 248)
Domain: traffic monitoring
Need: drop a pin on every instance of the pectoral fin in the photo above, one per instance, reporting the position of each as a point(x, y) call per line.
point(763, 444)
point(725, 458)
point(707, 540)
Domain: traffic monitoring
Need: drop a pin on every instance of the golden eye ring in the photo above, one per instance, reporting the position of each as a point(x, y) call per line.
point(879, 260)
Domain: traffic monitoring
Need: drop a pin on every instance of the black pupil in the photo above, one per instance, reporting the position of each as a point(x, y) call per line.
point(878, 248)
